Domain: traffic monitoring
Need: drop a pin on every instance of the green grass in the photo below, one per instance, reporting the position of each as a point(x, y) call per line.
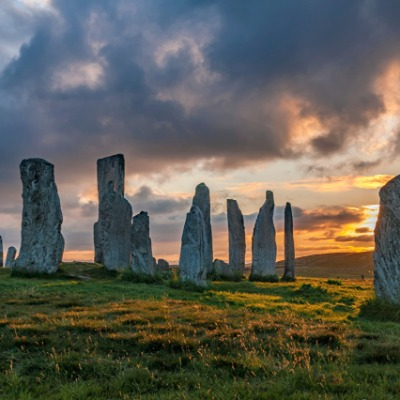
point(90, 334)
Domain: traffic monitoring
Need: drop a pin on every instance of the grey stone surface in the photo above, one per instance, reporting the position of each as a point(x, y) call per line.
point(192, 262)
point(111, 170)
point(142, 254)
point(221, 269)
point(115, 214)
point(237, 237)
point(42, 243)
point(163, 265)
point(1, 253)
point(264, 242)
point(98, 248)
point(110, 174)
point(11, 253)
point(112, 231)
point(201, 199)
point(387, 243)
point(289, 272)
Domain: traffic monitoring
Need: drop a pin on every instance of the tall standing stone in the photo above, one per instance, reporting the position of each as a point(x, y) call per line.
point(142, 254)
point(11, 253)
point(42, 243)
point(110, 173)
point(264, 243)
point(1, 253)
point(201, 199)
point(192, 263)
point(112, 231)
point(237, 238)
point(387, 243)
point(289, 244)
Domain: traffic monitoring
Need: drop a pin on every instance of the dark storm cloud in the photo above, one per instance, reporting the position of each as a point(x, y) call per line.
point(363, 229)
point(360, 238)
point(214, 96)
point(146, 200)
point(327, 218)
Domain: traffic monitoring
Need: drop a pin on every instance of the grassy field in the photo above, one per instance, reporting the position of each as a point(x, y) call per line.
point(88, 334)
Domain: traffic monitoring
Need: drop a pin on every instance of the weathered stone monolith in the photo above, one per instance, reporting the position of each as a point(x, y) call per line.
point(142, 255)
point(110, 173)
point(201, 199)
point(223, 270)
point(1, 253)
point(112, 231)
point(111, 170)
point(115, 214)
point(11, 253)
point(289, 273)
point(264, 244)
point(163, 265)
point(237, 238)
point(387, 243)
point(192, 262)
point(42, 243)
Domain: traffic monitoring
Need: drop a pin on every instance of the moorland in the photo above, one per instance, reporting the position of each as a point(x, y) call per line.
point(86, 333)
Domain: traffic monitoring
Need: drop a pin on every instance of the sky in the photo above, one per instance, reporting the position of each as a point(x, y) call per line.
point(298, 97)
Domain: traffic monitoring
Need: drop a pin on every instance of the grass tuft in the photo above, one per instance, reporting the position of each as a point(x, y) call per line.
point(380, 310)
point(336, 282)
point(288, 279)
point(129, 276)
point(267, 278)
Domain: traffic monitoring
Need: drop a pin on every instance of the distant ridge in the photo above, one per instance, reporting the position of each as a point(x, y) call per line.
point(333, 265)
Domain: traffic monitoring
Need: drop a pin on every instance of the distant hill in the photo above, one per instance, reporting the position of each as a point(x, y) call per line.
point(333, 265)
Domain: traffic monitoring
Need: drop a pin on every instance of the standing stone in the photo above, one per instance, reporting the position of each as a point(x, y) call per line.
point(289, 244)
point(11, 253)
point(201, 199)
point(192, 263)
point(115, 214)
point(110, 172)
point(162, 265)
point(42, 243)
point(112, 231)
point(223, 270)
point(264, 244)
point(142, 255)
point(1, 253)
point(387, 243)
point(237, 238)
point(98, 247)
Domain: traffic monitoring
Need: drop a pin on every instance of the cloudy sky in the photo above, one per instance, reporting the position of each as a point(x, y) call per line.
point(298, 97)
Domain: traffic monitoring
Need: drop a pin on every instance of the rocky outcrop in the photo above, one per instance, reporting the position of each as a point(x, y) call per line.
point(163, 265)
point(264, 243)
point(42, 243)
point(387, 243)
point(192, 262)
point(289, 273)
point(201, 199)
point(1, 253)
point(11, 253)
point(142, 255)
point(237, 238)
point(112, 231)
